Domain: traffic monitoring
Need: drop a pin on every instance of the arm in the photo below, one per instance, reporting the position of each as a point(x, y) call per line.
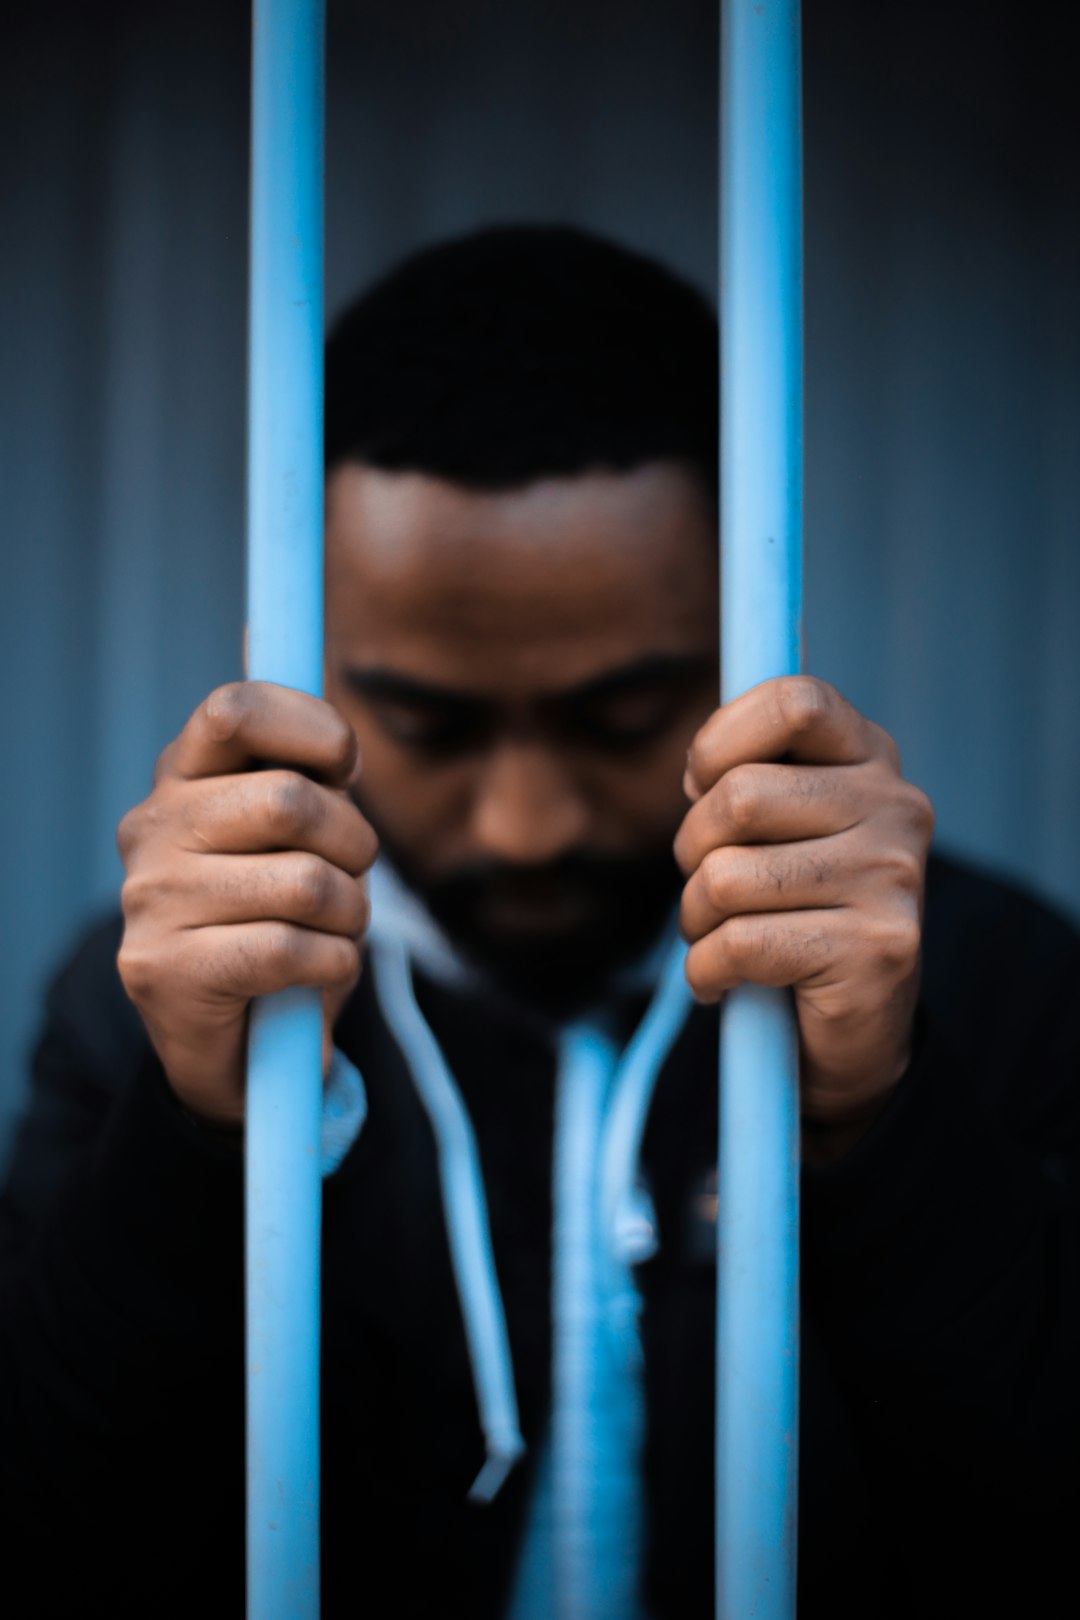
point(119, 1316)
point(941, 1231)
point(944, 1252)
point(121, 1348)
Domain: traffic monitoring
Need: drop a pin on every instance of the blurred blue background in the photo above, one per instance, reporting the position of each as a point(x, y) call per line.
point(943, 320)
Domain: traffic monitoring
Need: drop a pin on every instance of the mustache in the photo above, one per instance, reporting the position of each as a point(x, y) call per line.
point(627, 898)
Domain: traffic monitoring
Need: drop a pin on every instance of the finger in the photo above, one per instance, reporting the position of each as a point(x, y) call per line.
point(741, 880)
point(244, 960)
point(248, 723)
point(334, 1004)
point(292, 886)
point(327, 1037)
point(792, 718)
point(766, 804)
point(778, 949)
point(269, 810)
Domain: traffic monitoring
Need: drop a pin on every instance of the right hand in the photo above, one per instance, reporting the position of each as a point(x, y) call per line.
point(241, 881)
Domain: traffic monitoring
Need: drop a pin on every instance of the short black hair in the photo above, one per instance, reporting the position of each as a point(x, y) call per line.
point(522, 352)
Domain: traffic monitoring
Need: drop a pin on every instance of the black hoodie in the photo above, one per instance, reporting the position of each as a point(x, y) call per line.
point(940, 1421)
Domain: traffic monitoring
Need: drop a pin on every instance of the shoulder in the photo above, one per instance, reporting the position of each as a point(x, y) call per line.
point(1001, 966)
point(88, 1053)
point(983, 915)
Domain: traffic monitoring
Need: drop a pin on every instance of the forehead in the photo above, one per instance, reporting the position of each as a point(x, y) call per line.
point(545, 584)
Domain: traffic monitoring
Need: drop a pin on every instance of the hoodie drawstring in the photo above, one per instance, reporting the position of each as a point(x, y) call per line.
point(465, 1211)
point(603, 1224)
point(583, 1537)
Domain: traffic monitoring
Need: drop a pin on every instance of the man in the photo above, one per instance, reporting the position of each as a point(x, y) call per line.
point(521, 677)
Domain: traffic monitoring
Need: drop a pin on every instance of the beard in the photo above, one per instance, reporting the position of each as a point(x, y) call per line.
point(554, 935)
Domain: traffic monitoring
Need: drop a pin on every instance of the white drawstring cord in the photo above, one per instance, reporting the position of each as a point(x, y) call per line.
point(465, 1211)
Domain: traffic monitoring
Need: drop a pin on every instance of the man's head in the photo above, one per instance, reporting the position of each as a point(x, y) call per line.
point(521, 588)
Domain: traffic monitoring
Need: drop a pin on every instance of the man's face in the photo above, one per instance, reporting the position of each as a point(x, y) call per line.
point(524, 672)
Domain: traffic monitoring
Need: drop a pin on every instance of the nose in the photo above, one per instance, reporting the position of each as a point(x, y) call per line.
point(527, 808)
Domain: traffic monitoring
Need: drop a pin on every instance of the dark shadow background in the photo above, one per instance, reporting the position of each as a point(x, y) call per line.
point(943, 272)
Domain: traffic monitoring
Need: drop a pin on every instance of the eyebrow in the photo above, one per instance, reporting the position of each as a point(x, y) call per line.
point(655, 669)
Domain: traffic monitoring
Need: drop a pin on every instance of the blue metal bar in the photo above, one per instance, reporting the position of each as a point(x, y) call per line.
point(285, 518)
point(761, 597)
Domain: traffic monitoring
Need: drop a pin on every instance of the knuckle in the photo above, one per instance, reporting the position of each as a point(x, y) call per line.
point(289, 806)
point(163, 763)
point(225, 711)
point(921, 811)
point(361, 909)
point(884, 749)
point(739, 798)
point(717, 873)
point(906, 937)
point(369, 844)
point(897, 940)
point(360, 845)
point(309, 885)
point(694, 976)
point(342, 746)
point(136, 969)
point(139, 893)
point(906, 869)
point(129, 831)
point(695, 756)
point(343, 963)
point(683, 848)
point(138, 825)
point(701, 976)
point(802, 703)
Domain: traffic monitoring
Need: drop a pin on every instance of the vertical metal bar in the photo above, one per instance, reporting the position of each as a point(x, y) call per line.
point(761, 592)
point(285, 518)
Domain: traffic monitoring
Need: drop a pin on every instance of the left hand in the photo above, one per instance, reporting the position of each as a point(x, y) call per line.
point(805, 857)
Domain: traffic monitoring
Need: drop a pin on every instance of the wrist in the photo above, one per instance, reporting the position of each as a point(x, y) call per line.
point(825, 1140)
point(826, 1143)
point(222, 1129)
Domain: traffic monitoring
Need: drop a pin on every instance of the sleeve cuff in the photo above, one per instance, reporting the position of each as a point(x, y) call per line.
point(343, 1114)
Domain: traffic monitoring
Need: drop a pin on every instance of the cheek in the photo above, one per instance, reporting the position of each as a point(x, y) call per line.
point(423, 808)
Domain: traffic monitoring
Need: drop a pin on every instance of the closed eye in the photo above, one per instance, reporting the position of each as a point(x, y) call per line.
point(619, 711)
point(432, 728)
point(629, 721)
